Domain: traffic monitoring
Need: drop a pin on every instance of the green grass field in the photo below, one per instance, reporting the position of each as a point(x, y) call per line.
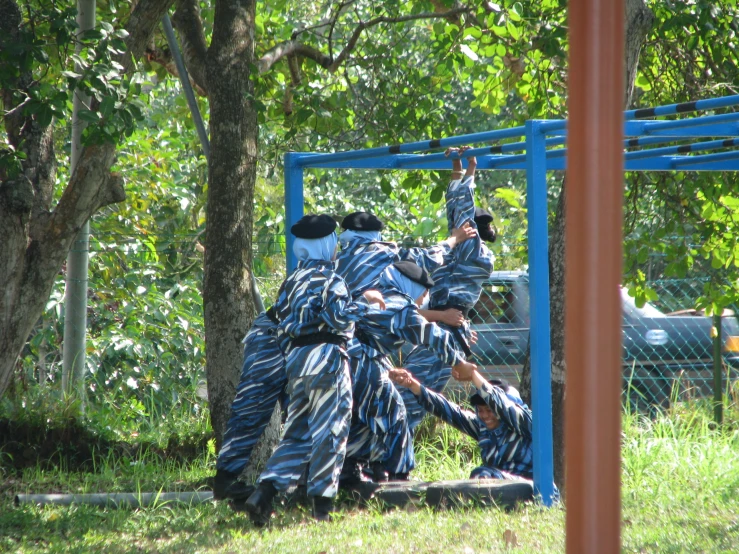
point(680, 491)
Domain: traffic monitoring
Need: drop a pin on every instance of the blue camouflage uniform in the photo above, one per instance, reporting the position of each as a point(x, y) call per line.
point(361, 260)
point(379, 430)
point(385, 331)
point(317, 316)
point(457, 284)
point(507, 450)
point(262, 384)
point(377, 403)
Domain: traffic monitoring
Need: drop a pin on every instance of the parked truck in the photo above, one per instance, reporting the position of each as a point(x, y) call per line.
point(665, 356)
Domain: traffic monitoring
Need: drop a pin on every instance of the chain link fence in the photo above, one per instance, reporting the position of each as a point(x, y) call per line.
point(145, 329)
point(667, 346)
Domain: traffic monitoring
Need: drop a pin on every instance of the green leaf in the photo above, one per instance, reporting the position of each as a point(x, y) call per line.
point(513, 30)
point(437, 194)
point(107, 105)
point(89, 116)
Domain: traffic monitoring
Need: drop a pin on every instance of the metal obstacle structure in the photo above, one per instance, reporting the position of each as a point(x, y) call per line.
point(537, 147)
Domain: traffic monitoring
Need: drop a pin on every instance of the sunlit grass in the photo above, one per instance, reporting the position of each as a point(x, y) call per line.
point(680, 486)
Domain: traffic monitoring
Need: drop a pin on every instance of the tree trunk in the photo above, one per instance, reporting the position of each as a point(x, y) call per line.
point(37, 237)
point(227, 289)
point(638, 21)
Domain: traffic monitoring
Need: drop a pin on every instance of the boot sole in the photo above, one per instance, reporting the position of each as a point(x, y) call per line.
point(257, 516)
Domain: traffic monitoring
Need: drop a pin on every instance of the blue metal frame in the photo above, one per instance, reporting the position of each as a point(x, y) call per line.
point(536, 158)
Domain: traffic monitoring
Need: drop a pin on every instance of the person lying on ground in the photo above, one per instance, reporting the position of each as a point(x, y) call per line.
point(501, 423)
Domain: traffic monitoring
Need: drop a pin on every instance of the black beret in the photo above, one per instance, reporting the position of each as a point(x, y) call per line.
point(483, 219)
point(415, 273)
point(476, 399)
point(502, 383)
point(314, 226)
point(362, 221)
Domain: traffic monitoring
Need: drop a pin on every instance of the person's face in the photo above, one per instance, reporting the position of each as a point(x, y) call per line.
point(488, 417)
point(421, 298)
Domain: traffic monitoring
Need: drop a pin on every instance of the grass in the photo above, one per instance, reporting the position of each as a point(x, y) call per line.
point(680, 490)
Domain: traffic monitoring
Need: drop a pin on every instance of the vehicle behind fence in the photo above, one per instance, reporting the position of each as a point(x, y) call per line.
point(667, 354)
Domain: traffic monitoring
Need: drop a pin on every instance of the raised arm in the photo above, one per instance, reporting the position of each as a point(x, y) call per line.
point(450, 316)
point(436, 404)
point(518, 417)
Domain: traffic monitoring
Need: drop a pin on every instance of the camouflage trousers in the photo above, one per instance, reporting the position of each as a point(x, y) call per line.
point(318, 417)
point(262, 385)
point(379, 430)
point(431, 372)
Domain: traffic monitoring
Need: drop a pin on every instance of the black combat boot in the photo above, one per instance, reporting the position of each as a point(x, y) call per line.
point(259, 504)
point(221, 482)
point(399, 477)
point(239, 491)
point(322, 508)
point(379, 474)
point(351, 475)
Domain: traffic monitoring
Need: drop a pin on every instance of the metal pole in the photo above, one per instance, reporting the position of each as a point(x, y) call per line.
point(174, 47)
point(593, 276)
point(293, 203)
point(116, 500)
point(540, 336)
point(197, 119)
point(718, 403)
point(75, 291)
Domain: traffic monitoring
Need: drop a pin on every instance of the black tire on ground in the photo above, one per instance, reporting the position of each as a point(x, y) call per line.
point(398, 494)
point(486, 492)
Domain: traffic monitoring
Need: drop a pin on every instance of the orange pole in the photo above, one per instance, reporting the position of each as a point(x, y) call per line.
point(593, 275)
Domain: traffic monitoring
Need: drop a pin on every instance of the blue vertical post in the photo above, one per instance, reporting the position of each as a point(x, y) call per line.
point(293, 202)
point(541, 364)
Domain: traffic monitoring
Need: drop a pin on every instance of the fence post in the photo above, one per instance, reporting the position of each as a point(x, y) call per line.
point(718, 404)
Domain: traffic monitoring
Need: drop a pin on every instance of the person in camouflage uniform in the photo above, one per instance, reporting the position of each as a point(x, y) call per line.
point(261, 386)
point(403, 286)
point(458, 281)
point(501, 423)
point(379, 426)
point(316, 317)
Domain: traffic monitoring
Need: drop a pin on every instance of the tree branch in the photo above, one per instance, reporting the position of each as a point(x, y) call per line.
point(163, 56)
point(91, 187)
point(144, 18)
point(189, 26)
point(293, 47)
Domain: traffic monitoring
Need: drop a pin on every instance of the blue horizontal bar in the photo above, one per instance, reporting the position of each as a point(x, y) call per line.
point(549, 126)
point(646, 141)
point(684, 107)
point(683, 148)
point(420, 146)
point(500, 149)
point(629, 143)
point(732, 155)
point(662, 163)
